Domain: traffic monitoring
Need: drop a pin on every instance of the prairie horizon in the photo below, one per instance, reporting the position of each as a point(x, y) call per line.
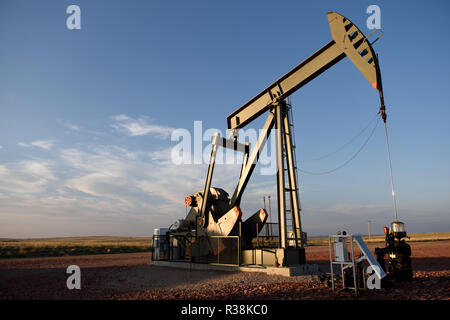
point(92, 245)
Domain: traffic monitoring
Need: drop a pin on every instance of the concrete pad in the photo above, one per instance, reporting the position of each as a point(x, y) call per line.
point(296, 270)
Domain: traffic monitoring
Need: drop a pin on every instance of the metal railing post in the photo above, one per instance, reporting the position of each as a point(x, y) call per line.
point(239, 242)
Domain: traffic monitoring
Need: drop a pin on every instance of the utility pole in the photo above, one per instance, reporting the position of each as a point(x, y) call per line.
point(270, 216)
point(368, 226)
point(270, 211)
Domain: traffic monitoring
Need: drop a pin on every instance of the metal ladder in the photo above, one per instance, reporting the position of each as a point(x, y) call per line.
point(289, 201)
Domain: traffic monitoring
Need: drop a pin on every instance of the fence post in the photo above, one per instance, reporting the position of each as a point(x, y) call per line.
point(239, 250)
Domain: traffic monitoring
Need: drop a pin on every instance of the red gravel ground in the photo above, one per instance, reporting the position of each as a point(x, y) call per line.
point(129, 276)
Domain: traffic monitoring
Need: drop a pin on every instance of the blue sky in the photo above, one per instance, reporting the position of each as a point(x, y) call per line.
point(87, 114)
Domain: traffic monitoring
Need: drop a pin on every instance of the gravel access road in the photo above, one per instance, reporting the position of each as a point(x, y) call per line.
point(130, 276)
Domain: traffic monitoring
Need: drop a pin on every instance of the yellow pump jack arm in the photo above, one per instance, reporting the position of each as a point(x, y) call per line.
point(348, 41)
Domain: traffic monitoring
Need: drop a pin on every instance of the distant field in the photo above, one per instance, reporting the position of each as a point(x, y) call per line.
point(56, 247)
point(414, 237)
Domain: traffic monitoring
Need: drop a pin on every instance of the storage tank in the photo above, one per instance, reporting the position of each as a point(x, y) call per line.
point(398, 229)
point(160, 244)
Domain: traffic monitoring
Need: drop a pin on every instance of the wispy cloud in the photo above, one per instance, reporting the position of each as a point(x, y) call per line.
point(39, 169)
point(109, 189)
point(133, 178)
point(26, 177)
point(76, 129)
point(43, 144)
point(71, 126)
point(149, 181)
point(140, 127)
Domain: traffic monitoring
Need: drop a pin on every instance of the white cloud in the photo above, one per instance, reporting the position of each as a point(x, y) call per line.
point(43, 144)
point(112, 183)
point(71, 126)
point(128, 177)
point(121, 117)
point(126, 153)
point(140, 127)
point(26, 177)
point(161, 155)
point(113, 190)
point(39, 169)
point(146, 183)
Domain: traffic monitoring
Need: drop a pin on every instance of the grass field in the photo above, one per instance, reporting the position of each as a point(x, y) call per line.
point(413, 237)
point(56, 247)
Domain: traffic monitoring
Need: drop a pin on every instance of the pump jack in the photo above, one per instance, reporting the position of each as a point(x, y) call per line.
point(213, 213)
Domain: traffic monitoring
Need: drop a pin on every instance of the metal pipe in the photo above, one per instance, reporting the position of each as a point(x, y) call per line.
point(212, 160)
